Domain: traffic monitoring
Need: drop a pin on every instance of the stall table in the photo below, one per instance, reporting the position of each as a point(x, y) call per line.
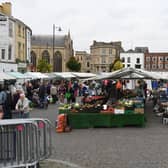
point(93, 120)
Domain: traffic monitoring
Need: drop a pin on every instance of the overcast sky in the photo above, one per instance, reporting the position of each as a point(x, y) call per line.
point(134, 22)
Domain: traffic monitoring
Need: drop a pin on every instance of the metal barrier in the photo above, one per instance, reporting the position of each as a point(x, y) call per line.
point(44, 133)
point(24, 142)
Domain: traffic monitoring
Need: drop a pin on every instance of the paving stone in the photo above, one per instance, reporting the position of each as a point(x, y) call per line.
point(128, 147)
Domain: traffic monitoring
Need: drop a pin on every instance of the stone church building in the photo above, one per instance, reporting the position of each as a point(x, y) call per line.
point(56, 50)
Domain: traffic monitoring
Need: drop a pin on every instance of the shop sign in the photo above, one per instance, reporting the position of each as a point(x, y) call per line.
point(3, 18)
point(22, 65)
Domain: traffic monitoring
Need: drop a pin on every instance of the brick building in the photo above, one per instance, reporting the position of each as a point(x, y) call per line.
point(156, 61)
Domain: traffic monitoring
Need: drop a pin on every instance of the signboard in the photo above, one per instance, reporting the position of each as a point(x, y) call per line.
point(3, 18)
point(22, 65)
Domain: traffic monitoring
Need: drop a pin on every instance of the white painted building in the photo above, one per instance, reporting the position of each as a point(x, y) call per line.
point(134, 60)
point(7, 44)
point(28, 44)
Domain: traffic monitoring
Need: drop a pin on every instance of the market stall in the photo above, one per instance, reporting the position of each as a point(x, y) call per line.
point(123, 113)
point(127, 110)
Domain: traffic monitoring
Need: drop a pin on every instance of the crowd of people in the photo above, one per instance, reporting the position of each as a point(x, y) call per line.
point(19, 97)
point(40, 93)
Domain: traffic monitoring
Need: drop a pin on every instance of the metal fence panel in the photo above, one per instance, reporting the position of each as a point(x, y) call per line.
point(23, 142)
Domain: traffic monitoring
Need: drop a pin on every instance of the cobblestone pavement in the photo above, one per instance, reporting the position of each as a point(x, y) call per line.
point(128, 147)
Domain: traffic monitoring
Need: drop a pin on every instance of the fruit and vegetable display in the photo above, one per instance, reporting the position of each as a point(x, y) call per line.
point(127, 93)
point(93, 99)
point(123, 106)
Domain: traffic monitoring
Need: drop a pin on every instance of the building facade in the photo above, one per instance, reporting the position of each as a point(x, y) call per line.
point(133, 60)
point(85, 59)
point(7, 40)
point(14, 42)
point(156, 61)
point(56, 51)
point(22, 44)
point(28, 44)
point(103, 54)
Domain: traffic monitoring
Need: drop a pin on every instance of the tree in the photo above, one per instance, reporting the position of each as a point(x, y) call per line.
point(43, 66)
point(116, 65)
point(73, 64)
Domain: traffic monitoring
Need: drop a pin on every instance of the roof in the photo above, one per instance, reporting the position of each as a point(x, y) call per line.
point(47, 40)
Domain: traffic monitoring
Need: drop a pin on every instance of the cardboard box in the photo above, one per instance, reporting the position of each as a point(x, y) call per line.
point(139, 110)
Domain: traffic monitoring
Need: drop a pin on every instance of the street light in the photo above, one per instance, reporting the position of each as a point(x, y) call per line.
point(58, 29)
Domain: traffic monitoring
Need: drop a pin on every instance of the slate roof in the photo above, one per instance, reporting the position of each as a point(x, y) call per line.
point(47, 40)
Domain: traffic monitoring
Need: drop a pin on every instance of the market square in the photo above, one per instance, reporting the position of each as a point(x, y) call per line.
point(111, 147)
point(83, 84)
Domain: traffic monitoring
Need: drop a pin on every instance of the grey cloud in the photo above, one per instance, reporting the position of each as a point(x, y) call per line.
point(133, 21)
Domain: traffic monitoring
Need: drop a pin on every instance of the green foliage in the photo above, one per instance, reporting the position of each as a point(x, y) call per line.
point(116, 65)
point(18, 60)
point(43, 66)
point(73, 64)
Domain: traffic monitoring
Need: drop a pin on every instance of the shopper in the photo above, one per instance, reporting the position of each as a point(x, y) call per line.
point(61, 91)
point(75, 88)
point(119, 89)
point(29, 90)
point(53, 92)
point(42, 91)
point(3, 98)
point(1, 112)
point(7, 104)
point(23, 105)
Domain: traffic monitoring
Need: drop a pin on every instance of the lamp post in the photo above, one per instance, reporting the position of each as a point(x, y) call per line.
point(59, 29)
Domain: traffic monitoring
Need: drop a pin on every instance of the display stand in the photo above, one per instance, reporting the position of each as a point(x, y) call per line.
point(93, 120)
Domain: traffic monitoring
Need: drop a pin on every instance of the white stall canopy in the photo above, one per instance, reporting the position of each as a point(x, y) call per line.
point(129, 73)
point(83, 75)
point(35, 75)
point(65, 75)
point(4, 76)
point(17, 75)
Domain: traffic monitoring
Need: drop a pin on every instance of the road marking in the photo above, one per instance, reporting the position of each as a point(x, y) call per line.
point(65, 163)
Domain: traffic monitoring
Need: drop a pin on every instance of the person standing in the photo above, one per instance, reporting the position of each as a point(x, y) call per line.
point(42, 91)
point(53, 92)
point(3, 98)
point(75, 88)
point(23, 105)
point(8, 104)
point(119, 89)
point(29, 90)
point(61, 91)
point(1, 112)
